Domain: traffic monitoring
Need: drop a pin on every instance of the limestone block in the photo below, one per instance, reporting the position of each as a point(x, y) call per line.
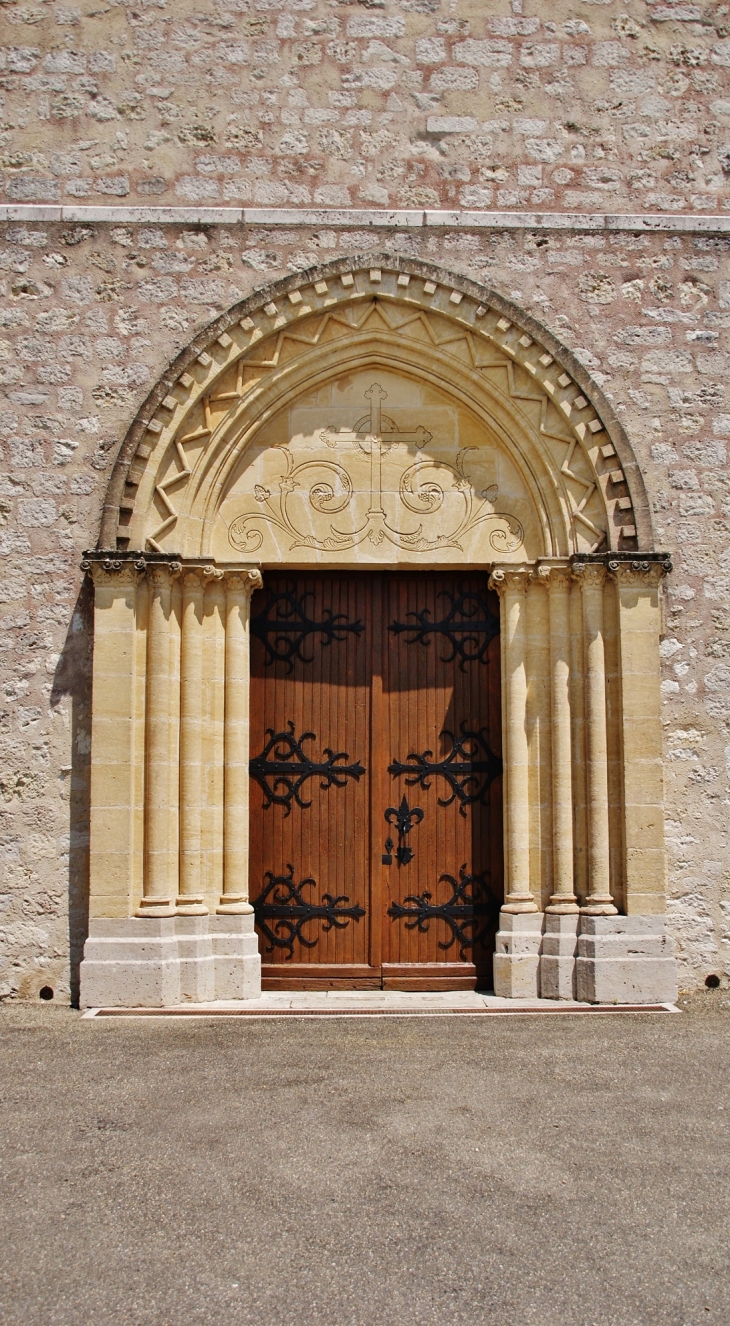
point(236, 959)
point(557, 960)
point(195, 954)
point(132, 963)
point(517, 955)
point(625, 960)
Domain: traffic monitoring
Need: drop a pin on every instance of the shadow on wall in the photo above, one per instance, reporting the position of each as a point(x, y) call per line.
point(72, 680)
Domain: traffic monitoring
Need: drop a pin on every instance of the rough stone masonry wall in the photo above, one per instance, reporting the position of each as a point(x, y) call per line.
point(422, 104)
point(622, 105)
point(91, 317)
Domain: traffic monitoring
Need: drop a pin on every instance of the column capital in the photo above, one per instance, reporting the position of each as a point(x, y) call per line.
point(245, 580)
point(510, 578)
point(161, 574)
point(110, 572)
point(193, 578)
point(590, 574)
point(553, 574)
point(639, 573)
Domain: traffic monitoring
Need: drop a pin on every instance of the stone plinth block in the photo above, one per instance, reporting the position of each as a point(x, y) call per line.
point(625, 960)
point(158, 962)
point(195, 953)
point(557, 961)
point(132, 963)
point(236, 957)
point(517, 955)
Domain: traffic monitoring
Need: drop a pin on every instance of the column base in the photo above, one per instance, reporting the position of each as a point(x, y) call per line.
point(189, 905)
point(161, 962)
point(195, 955)
point(132, 962)
point(517, 955)
point(236, 956)
point(625, 960)
point(232, 904)
point(557, 960)
point(155, 907)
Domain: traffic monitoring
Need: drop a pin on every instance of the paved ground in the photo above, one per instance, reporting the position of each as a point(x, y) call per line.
point(525, 1171)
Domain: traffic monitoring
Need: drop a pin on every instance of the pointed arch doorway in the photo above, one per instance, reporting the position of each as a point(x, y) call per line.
point(399, 427)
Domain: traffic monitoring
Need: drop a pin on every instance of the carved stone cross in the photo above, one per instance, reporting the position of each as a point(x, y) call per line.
point(376, 441)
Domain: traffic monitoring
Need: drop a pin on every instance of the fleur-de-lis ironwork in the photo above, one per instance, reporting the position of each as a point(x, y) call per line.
point(468, 626)
point(469, 768)
point(284, 624)
point(403, 819)
point(282, 768)
point(469, 913)
point(282, 911)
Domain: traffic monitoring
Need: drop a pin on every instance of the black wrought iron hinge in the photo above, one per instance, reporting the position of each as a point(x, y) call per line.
point(282, 768)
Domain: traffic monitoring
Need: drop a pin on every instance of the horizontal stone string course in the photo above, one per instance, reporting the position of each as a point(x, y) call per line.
point(659, 222)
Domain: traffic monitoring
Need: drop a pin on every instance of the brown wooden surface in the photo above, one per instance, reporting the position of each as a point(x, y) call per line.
point(379, 696)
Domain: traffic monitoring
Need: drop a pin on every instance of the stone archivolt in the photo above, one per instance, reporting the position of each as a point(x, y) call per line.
point(515, 395)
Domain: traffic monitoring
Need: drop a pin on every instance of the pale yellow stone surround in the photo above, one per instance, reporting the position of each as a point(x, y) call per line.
point(548, 738)
point(382, 418)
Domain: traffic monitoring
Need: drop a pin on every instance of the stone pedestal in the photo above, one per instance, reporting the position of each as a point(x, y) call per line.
point(159, 962)
point(235, 957)
point(517, 955)
point(625, 960)
point(133, 963)
point(557, 961)
point(195, 954)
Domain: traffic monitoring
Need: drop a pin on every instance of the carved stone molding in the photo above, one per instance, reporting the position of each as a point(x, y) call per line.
point(161, 574)
point(554, 576)
point(641, 573)
point(421, 493)
point(510, 578)
point(112, 572)
point(189, 412)
point(245, 582)
point(592, 575)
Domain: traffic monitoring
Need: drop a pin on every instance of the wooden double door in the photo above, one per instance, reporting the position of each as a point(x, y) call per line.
point(376, 789)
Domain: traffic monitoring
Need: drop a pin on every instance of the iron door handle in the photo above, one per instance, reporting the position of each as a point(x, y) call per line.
point(403, 818)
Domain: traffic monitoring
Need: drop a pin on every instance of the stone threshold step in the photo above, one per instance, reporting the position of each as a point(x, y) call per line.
point(373, 1010)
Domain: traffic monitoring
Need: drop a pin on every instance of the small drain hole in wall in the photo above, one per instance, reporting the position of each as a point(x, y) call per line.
point(712, 981)
point(46, 991)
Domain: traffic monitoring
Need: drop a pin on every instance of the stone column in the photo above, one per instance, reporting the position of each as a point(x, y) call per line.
point(563, 900)
point(557, 962)
point(127, 961)
point(511, 585)
point(239, 588)
point(630, 959)
point(161, 855)
point(235, 948)
point(599, 901)
point(114, 851)
point(516, 959)
point(190, 898)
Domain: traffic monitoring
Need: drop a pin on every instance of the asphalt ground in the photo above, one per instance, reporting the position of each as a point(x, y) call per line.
point(379, 1172)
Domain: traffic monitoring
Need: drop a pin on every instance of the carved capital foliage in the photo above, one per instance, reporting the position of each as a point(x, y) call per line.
point(161, 574)
point(192, 580)
point(244, 582)
point(639, 574)
point(113, 572)
point(592, 575)
point(510, 579)
point(556, 578)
